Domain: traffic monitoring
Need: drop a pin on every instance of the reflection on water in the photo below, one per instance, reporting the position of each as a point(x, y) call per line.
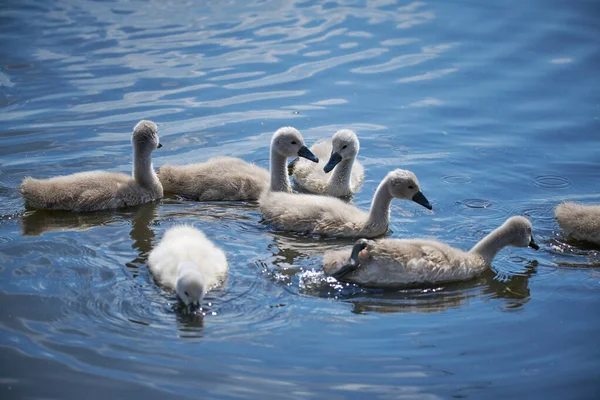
point(514, 288)
point(496, 116)
point(38, 222)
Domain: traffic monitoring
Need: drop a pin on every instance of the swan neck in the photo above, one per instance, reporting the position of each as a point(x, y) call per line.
point(489, 246)
point(380, 207)
point(341, 176)
point(279, 177)
point(143, 171)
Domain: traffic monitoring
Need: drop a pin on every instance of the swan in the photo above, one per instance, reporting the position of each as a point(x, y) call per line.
point(325, 215)
point(348, 174)
point(233, 179)
point(398, 262)
point(187, 261)
point(101, 190)
point(581, 222)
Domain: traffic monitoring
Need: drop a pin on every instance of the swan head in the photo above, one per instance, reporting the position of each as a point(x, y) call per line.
point(352, 263)
point(288, 142)
point(190, 284)
point(520, 232)
point(344, 146)
point(145, 136)
point(403, 184)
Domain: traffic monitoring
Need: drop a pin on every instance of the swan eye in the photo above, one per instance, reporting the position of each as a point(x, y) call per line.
point(345, 146)
point(186, 293)
point(411, 187)
point(294, 142)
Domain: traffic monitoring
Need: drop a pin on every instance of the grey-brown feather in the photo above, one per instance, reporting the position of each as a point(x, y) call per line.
point(218, 179)
point(317, 215)
point(578, 221)
point(311, 177)
point(399, 262)
point(394, 262)
point(87, 191)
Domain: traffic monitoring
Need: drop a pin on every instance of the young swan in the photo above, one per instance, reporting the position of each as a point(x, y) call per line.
point(326, 215)
point(398, 262)
point(185, 260)
point(579, 221)
point(233, 179)
point(101, 190)
point(348, 174)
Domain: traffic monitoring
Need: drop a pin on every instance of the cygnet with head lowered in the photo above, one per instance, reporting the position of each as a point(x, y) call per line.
point(102, 190)
point(341, 176)
point(325, 215)
point(580, 222)
point(188, 262)
point(233, 179)
point(401, 262)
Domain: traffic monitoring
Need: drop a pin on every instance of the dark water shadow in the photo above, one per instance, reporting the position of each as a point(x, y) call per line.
point(142, 234)
point(39, 222)
point(514, 288)
point(490, 285)
point(573, 253)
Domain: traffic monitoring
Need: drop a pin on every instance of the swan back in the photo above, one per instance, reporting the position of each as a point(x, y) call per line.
point(218, 179)
point(580, 222)
point(187, 247)
point(404, 262)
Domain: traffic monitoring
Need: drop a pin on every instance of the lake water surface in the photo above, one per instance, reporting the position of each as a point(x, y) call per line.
point(494, 105)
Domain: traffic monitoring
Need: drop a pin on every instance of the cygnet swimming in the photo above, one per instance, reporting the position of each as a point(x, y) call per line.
point(325, 215)
point(102, 190)
point(400, 262)
point(341, 176)
point(233, 179)
point(187, 261)
point(580, 222)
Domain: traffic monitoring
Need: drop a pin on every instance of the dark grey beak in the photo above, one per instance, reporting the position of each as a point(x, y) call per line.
point(159, 146)
point(194, 306)
point(422, 200)
point(533, 244)
point(352, 263)
point(306, 153)
point(334, 160)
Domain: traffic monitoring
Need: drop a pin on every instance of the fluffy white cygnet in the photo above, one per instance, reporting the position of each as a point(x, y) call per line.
point(233, 179)
point(348, 174)
point(581, 222)
point(325, 215)
point(102, 190)
point(401, 262)
point(187, 261)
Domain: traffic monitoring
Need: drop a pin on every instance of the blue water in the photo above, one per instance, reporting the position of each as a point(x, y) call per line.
point(494, 105)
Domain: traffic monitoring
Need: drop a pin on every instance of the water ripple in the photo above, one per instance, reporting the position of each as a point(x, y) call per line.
point(551, 182)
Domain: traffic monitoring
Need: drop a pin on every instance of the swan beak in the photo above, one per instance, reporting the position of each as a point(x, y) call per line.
point(194, 306)
point(533, 244)
point(333, 161)
point(159, 146)
point(422, 200)
point(306, 153)
point(352, 264)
